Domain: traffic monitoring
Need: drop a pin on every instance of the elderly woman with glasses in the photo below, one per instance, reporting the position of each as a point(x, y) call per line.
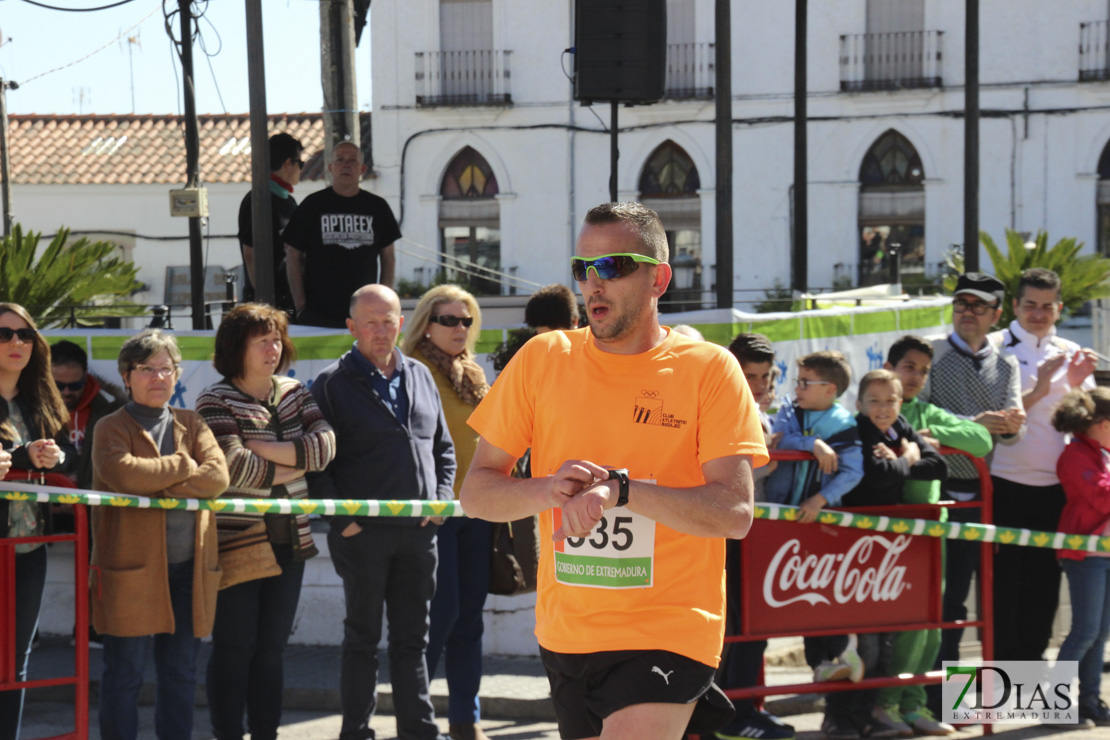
point(272, 432)
point(442, 334)
point(32, 414)
point(155, 572)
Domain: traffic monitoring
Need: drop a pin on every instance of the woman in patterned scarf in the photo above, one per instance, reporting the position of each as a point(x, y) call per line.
point(442, 334)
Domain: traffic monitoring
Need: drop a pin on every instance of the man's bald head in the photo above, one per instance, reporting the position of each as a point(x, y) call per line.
point(339, 146)
point(376, 322)
point(374, 293)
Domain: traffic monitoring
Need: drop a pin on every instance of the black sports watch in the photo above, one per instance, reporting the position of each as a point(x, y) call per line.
point(621, 476)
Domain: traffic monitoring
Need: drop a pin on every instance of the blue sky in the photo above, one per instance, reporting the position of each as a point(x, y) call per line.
point(34, 40)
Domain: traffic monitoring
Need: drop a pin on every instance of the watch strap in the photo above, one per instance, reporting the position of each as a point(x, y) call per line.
point(621, 476)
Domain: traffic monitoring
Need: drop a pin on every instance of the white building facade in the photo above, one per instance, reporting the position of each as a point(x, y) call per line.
point(485, 156)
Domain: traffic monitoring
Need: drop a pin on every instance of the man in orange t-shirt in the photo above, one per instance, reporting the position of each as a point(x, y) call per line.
point(643, 443)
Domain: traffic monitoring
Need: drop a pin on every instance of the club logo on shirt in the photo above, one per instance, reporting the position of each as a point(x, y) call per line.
point(347, 230)
point(648, 409)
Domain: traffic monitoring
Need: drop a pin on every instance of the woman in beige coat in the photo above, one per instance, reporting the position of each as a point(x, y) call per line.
point(155, 572)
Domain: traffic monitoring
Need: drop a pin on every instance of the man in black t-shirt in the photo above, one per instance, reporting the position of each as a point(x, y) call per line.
point(334, 240)
point(286, 164)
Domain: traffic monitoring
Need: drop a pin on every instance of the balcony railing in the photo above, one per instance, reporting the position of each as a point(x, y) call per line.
point(890, 61)
point(463, 78)
point(690, 71)
point(1094, 51)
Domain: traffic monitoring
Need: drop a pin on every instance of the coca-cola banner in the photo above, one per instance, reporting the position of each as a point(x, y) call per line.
point(800, 577)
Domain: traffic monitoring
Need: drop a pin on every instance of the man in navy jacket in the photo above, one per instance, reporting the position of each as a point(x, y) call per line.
point(392, 443)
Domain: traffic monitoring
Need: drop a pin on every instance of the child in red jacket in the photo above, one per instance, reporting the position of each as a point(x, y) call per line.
point(1084, 471)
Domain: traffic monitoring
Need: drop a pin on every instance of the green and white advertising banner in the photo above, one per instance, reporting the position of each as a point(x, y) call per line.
point(863, 334)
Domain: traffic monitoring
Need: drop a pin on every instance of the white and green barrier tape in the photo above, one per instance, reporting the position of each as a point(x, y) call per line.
point(967, 532)
point(350, 507)
point(326, 507)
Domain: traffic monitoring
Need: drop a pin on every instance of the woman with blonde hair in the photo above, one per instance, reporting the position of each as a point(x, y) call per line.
point(32, 415)
point(442, 334)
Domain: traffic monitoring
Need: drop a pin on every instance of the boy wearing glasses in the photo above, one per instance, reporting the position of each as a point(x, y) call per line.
point(643, 442)
point(816, 423)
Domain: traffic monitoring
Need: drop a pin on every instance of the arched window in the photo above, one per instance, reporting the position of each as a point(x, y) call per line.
point(469, 222)
point(1103, 201)
point(891, 212)
point(669, 185)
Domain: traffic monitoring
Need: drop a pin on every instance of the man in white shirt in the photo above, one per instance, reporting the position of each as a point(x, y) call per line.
point(1027, 492)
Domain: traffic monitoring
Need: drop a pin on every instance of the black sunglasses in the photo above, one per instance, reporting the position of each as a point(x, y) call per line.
point(74, 386)
point(299, 162)
point(25, 335)
point(452, 321)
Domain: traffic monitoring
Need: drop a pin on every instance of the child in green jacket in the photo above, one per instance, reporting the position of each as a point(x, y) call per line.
point(910, 358)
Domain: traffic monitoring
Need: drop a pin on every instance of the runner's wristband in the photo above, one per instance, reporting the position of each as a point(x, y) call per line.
point(621, 476)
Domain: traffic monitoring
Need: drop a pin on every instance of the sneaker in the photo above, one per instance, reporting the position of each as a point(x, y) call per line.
point(924, 723)
point(851, 659)
point(827, 670)
point(1099, 713)
point(837, 727)
point(759, 725)
point(890, 717)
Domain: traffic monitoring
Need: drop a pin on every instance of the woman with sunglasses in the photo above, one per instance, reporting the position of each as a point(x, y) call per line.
point(155, 572)
point(442, 334)
point(32, 415)
point(272, 432)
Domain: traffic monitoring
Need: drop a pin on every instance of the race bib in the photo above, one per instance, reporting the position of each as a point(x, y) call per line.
point(618, 553)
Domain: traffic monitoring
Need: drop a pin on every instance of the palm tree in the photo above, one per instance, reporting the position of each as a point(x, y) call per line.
point(1082, 278)
point(83, 279)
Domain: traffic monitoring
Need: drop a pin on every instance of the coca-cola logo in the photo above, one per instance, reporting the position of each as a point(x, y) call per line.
point(846, 577)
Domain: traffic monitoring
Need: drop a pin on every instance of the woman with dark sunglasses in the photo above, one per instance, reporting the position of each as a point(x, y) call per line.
point(32, 414)
point(442, 334)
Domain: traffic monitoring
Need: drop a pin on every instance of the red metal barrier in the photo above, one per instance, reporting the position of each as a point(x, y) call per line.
point(769, 545)
point(80, 678)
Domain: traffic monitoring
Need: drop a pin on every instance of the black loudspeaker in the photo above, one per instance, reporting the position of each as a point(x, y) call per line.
point(620, 50)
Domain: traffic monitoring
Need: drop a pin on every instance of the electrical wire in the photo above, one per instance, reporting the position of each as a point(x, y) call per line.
point(91, 53)
point(496, 275)
point(466, 271)
point(207, 54)
point(77, 10)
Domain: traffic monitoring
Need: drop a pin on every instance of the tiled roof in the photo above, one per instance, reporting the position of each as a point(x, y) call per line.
point(141, 149)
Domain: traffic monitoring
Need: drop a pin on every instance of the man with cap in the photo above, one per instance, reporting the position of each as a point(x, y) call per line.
point(972, 379)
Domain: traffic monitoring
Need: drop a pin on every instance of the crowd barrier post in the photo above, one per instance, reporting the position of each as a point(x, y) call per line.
point(8, 658)
point(816, 614)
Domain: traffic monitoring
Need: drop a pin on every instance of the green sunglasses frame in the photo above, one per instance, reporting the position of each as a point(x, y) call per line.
point(591, 260)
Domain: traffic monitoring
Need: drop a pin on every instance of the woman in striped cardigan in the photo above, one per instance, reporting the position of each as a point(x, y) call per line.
point(272, 432)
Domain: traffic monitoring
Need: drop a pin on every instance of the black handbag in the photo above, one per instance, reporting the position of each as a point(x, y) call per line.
point(514, 557)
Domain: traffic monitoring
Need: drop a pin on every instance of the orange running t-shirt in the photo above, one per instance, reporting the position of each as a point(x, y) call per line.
point(633, 584)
